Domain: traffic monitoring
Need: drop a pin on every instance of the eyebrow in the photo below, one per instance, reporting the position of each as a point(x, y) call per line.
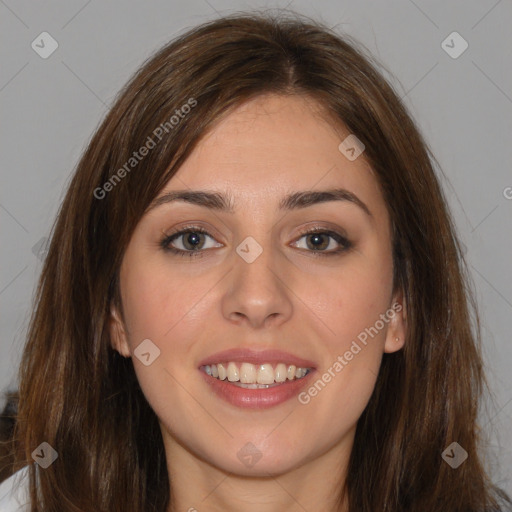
point(224, 203)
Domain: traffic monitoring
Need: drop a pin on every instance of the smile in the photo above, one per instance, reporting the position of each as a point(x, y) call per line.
point(251, 376)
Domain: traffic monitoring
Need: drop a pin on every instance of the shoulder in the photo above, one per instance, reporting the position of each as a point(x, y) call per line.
point(14, 492)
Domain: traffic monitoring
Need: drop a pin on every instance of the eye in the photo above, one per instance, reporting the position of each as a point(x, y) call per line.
point(189, 241)
point(324, 242)
point(192, 241)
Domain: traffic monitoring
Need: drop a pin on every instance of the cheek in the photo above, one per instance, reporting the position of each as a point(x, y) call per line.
point(162, 306)
point(352, 309)
point(159, 302)
point(355, 306)
point(355, 299)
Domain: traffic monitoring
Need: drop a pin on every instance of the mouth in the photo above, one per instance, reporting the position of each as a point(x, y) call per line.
point(250, 376)
point(256, 379)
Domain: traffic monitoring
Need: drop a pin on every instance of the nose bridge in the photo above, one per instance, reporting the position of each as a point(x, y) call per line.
point(256, 292)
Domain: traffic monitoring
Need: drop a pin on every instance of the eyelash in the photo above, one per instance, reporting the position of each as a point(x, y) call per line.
point(164, 243)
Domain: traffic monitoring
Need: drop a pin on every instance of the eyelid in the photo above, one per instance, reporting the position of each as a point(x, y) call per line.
point(208, 230)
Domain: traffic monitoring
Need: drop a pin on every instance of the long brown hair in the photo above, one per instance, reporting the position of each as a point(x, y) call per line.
point(83, 398)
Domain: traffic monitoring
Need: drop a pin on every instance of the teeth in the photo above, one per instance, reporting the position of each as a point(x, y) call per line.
point(254, 386)
point(248, 373)
point(265, 374)
point(281, 373)
point(252, 376)
point(233, 374)
point(222, 371)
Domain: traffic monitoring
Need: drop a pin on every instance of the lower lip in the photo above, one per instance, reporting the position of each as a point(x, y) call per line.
point(257, 398)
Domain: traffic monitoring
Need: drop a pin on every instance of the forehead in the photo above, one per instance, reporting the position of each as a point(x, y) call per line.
point(271, 146)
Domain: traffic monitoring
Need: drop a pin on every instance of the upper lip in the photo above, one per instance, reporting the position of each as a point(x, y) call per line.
point(247, 355)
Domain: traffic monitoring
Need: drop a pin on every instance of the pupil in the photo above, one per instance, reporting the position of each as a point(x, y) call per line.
point(317, 240)
point(193, 239)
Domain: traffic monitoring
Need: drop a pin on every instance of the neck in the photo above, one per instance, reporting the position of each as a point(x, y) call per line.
point(197, 485)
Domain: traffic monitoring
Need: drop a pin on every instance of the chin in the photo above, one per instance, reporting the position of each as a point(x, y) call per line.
point(246, 459)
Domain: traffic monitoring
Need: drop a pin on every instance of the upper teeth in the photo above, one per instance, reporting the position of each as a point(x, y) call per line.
point(249, 373)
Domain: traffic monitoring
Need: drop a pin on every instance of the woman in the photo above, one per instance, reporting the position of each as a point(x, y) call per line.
point(254, 296)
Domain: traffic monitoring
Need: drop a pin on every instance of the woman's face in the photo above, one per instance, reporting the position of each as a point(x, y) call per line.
point(248, 289)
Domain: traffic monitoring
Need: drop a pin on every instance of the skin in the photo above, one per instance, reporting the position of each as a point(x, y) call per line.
point(289, 298)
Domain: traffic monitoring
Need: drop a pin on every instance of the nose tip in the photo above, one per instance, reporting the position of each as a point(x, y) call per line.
point(253, 318)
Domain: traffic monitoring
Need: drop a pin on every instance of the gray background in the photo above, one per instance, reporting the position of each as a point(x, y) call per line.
point(50, 108)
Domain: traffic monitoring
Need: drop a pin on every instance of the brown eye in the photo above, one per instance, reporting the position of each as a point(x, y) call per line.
point(317, 241)
point(187, 242)
point(324, 243)
point(191, 240)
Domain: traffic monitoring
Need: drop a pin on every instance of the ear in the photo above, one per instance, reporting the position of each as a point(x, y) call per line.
point(117, 331)
point(397, 328)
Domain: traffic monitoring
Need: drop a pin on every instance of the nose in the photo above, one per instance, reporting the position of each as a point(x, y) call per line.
point(257, 293)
